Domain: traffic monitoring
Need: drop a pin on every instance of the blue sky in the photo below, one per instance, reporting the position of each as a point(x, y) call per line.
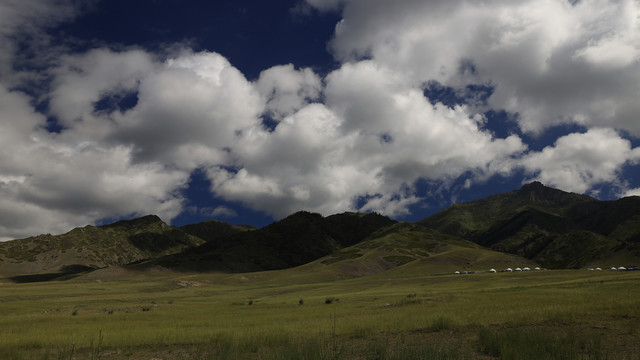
point(247, 111)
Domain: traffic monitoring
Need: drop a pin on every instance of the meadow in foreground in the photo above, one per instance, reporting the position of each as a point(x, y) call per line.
point(571, 314)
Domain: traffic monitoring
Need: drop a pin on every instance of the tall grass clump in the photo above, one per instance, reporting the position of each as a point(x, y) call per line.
point(533, 344)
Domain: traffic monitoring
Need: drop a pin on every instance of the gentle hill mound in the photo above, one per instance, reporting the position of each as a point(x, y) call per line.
point(549, 226)
point(47, 257)
point(293, 241)
point(412, 249)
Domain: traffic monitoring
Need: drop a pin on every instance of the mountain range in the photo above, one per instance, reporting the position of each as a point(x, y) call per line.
point(551, 227)
point(534, 225)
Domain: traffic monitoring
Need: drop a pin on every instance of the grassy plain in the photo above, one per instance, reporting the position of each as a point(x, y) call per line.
point(571, 314)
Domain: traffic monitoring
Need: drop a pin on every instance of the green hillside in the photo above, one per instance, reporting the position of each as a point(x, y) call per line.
point(90, 247)
point(411, 250)
point(472, 220)
point(532, 225)
point(549, 226)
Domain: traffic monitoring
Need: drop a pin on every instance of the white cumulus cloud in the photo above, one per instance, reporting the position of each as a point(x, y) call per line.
point(373, 139)
point(136, 124)
point(191, 111)
point(48, 185)
point(286, 90)
point(577, 162)
point(550, 61)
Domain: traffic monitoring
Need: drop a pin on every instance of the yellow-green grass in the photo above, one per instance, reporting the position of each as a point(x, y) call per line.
point(385, 316)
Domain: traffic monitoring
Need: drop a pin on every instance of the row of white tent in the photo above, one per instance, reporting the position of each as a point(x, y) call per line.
point(505, 270)
point(523, 269)
point(613, 268)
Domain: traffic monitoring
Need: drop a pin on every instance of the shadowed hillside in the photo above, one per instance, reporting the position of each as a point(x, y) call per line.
point(547, 226)
point(90, 247)
point(412, 249)
point(552, 227)
point(295, 240)
point(472, 220)
point(213, 230)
